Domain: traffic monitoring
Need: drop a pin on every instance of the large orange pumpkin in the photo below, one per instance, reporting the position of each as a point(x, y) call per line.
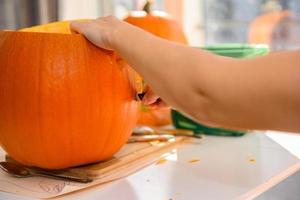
point(63, 101)
point(161, 25)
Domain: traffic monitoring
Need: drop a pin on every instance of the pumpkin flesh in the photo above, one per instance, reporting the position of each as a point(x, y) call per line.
point(54, 27)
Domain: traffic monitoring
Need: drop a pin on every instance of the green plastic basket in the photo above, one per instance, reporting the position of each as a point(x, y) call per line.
point(238, 50)
point(230, 50)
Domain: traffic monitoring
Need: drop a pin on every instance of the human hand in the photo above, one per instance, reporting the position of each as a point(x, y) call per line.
point(152, 99)
point(100, 31)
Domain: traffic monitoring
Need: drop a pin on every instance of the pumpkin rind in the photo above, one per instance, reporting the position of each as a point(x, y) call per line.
point(63, 101)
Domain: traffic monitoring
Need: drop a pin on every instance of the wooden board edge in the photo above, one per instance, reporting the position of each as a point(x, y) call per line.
point(270, 183)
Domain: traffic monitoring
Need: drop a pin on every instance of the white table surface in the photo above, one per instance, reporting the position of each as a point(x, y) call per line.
point(228, 168)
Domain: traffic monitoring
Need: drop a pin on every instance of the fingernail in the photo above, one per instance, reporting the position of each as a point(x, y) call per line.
point(148, 101)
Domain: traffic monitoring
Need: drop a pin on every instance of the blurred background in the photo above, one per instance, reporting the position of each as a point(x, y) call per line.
point(205, 22)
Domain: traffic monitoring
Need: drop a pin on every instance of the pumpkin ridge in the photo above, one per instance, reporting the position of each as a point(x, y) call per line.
point(108, 139)
point(14, 103)
point(40, 123)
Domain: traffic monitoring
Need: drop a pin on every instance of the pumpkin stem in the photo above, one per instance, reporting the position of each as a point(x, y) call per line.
point(147, 7)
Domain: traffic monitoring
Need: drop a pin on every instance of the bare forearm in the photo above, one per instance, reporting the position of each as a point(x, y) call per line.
point(171, 69)
point(268, 90)
point(246, 94)
point(261, 93)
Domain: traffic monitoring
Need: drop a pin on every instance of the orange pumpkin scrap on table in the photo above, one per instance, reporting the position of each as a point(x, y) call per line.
point(161, 25)
point(63, 101)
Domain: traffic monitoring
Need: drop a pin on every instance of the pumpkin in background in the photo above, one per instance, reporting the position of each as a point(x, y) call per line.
point(262, 28)
point(63, 101)
point(161, 25)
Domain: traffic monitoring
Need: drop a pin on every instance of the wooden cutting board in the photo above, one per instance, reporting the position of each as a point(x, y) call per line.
point(131, 158)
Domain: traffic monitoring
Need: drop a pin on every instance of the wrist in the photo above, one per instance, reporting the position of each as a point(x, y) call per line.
point(122, 36)
point(114, 39)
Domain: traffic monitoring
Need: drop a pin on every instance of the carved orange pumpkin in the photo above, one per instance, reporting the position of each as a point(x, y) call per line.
point(161, 25)
point(63, 101)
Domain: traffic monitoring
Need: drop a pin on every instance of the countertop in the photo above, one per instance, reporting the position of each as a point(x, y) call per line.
point(212, 168)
